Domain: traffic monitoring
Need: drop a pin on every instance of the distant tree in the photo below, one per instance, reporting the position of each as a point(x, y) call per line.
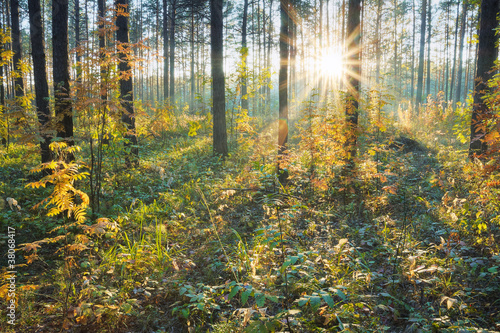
point(77, 40)
point(16, 47)
point(60, 63)
point(420, 75)
point(166, 60)
point(453, 67)
point(126, 85)
point(40, 75)
point(101, 16)
point(460, 53)
point(172, 17)
point(283, 89)
point(378, 37)
point(218, 88)
point(353, 79)
point(487, 53)
point(244, 54)
point(429, 35)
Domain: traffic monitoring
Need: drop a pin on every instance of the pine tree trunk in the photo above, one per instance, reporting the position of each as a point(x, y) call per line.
point(353, 81)
point(126, 85)
point(16, 47)
point(458, 91)
point(244, 55)
point(453, 71)
point(420, 79)
point(377, 40)
point(165, 51)
point(218, 87)
point(77, 41)
point(40, 75)
point(269, 43)
point(173, 9)
point(191, 102)
point(2, 88)
point(283, 90)
point(101, 12)
point(486, 55)
point(61, 76)
point(429, 34)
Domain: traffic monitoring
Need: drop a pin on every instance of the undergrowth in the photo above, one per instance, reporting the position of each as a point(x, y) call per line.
point(188, 242)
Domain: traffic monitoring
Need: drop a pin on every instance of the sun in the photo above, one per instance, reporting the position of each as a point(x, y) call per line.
point(331, 63)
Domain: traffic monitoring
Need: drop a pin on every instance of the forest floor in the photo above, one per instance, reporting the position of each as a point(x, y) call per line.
point(191, 243)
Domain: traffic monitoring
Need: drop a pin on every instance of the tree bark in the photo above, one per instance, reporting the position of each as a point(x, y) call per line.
point(40, 75)
point(487, 53)
point(2, 88)
point(77, 40)
point(458, 91)
point(218, 84)
point(102, 47)
point(283, 90)
point(173, 9)
point(420, 78)
point(453, 70)
point(16, 47)
point(61, 76)
point(165, 51)
point(244, 55)
point(412, 88)
point(353, 81)
point(429, 34)
point(126, 85)
point(377, 40)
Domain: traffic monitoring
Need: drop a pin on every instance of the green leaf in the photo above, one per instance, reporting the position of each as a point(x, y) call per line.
point(272, 298)
point(329, 300)
point(260, 299)
point(126, 308)
point(343, 296)
point(233, 292)
point(245, 295)
point(315, 302)
point(303, 301)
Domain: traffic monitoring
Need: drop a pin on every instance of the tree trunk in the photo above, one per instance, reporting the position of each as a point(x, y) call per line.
point(16, 48)
point(396, 81)
point(453, 70)
point(458, 91)
point(487, 53)
point(218, 88)
point(61, 77)
point(353, 81)
point(173, 9)
point(428, 84)
point(283, 90)
point(244, 55)
point(420, 79)
point(2, 89)
point(40, 75)
point(269, 43)
point(77, 41)
point(101, 12)
point(165, 51)
point(377, 40)
point(191, 102)
point(412, 89)
point(126, 85)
